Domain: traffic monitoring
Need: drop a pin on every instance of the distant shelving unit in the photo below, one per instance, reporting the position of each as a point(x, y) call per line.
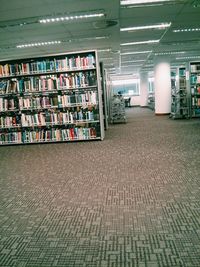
point(180, 104)
point(151, 101)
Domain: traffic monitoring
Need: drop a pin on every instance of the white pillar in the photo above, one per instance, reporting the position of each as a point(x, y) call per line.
point(144, 89)
point(162, 82)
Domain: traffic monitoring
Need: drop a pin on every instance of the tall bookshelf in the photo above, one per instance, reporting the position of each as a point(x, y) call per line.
point(104, 94)
point(53, 98)
point(180, 104)
point(195, 88)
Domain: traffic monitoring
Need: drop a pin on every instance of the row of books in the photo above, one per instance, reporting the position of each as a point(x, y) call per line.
point(28, 103)
point(77, 80)
point(58, 101)
point(182, 72)
point(196, 101)
point(45, 119)
point(11, 137)
point(8, 104)
point(195, 90)
point(48, 119)
point(10, 121)
point(48, 83)
point(196, 111)
point(87, 98)
point(195, 67)
point(48, 135)
point(48, 65)
point(195, 79)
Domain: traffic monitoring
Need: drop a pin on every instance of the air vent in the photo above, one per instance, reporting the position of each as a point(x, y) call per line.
point(105, 24)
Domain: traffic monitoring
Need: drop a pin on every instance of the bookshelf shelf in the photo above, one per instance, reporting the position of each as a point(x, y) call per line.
point(55, 98)
point(32, 74)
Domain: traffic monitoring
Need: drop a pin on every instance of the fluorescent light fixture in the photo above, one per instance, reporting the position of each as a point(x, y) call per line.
point(189, 57)
point(142, 42)
point(88, 38)
point(136, 2)
point(113, 69)
point(160, 26)
point(106, 58)
point(131, 66)
point(135, 53)
point(67, 18)
point(170, 53)
point(187, 30)
point(104, 50)
point(100, 37)
point(133, 61)
point(38, 44)
point(127, 81)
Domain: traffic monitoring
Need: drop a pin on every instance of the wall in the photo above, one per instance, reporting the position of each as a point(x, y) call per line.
point(135, 100)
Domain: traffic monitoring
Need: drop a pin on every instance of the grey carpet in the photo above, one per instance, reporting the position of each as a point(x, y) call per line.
point(132, 200)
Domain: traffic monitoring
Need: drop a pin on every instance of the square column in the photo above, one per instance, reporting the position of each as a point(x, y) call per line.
point(162, 87)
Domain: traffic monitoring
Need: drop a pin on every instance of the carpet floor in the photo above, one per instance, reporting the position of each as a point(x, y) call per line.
point(132, 200)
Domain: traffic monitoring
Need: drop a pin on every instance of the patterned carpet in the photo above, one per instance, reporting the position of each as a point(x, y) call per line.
point(132, 200)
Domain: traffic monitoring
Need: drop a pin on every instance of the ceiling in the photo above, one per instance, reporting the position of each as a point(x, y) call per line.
point(19, 24)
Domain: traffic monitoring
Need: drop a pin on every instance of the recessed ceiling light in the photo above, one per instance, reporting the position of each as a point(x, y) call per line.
point(136, 52)
point(135, 2)
point(66, 18)
point(187, 30)
point(160, 26)
point(142, 42)
point(38, 44)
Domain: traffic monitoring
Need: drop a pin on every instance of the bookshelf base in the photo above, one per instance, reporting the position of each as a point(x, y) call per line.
point(53, 142)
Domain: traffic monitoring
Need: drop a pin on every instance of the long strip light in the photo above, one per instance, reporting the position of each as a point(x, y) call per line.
point(135, 2)
point(38, 44)
point(189, 57)
point(104, 50)
point(133, 61)
point(187, 30)
point(67, 18)
point(136, 52)
point(160, 26)
point(131, 66)
point(88, 38)
point(142, 42)
point(170, 53)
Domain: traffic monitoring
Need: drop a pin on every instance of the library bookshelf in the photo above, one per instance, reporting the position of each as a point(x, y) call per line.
point(52, 98)
point(180, 103)
point(194, 70)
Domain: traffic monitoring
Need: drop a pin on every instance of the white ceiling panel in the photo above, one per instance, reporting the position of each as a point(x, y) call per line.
point(19, 24)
